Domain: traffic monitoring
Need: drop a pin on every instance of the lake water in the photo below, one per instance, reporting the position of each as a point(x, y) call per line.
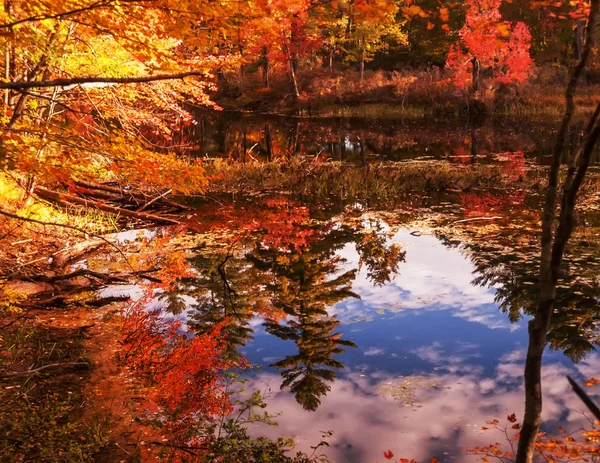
point(403, 330)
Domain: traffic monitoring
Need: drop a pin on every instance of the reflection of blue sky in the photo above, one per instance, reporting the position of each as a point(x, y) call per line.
point(430, 304)
point(434, 277)
point(429, 322)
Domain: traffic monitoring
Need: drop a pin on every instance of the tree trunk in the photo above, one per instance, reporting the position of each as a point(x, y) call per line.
point(473, 144)
point(474, 76)
point(294, 81)
point(269, 143)
point(6, 75)
point(579, 37)
point(331, 61)
point(265, 67)
point(537, 329)
point(553, 247)
point(362, 60)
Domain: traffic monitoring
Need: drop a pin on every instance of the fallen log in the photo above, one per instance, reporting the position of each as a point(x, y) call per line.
point(122, 192)
point(67, 255)
point(100, 194)
point(66, 199)
point(68, 367)
point(67, 276)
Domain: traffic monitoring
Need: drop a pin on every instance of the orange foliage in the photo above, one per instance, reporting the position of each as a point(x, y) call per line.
point(185, 372)
point(563, 447)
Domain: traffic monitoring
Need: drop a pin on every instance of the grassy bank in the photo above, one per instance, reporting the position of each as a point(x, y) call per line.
point(381, 182)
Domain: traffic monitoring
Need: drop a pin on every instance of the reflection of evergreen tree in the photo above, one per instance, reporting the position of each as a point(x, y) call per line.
point(308, 371)
point(225, 288)
point(514, 271)
point(280, 278)
point(303, 288)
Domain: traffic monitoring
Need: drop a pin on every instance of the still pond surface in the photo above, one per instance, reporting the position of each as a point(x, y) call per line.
point(404, 329)
point(248, 137)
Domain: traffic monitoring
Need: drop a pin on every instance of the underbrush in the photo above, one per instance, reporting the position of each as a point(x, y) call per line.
point(25, 245)
point(409, 93)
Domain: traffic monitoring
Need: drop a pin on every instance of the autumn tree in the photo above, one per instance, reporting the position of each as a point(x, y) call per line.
point(488, 42)
point(367, 23)
point(94, 88)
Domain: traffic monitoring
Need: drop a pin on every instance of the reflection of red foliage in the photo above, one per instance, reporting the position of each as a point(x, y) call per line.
point(513, 163)
point(186, 372)
point(283, 222)
point(482, 204)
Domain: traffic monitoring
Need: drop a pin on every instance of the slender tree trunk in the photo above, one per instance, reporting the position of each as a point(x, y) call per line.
point(7, 74)
point(8, 60)
point(579, 37)
point(269, 143)
point(331, 61)
point(474, 76)
point(294, 81)
point(553, 247)
point(362, 60)
point(265, 67)
point(290, 61)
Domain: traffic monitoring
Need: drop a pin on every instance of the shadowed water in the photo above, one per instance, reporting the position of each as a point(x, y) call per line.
point(248, 137)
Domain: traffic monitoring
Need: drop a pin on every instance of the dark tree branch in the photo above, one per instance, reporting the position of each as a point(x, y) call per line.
point(585, 398)
point(96, 80)
point(64, 14)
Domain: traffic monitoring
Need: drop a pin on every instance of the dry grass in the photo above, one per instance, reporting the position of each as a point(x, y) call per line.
point(382, 182)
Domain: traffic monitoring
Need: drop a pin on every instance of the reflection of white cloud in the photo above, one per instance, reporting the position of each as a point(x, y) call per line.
point(374, 351)
point(445, 418)
point(434, 277)
point(135, 292)
point(455, 362)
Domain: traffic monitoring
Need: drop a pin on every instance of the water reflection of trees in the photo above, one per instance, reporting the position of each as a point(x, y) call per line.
point(509, 262)
point(303, 290)
point(247, 137)
point(291, 287)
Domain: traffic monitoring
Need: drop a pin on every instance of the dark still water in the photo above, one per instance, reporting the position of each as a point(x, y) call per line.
point(400, 331)
point(248, 137)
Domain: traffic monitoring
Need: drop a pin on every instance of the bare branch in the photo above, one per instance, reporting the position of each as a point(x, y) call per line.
point(97, 80)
